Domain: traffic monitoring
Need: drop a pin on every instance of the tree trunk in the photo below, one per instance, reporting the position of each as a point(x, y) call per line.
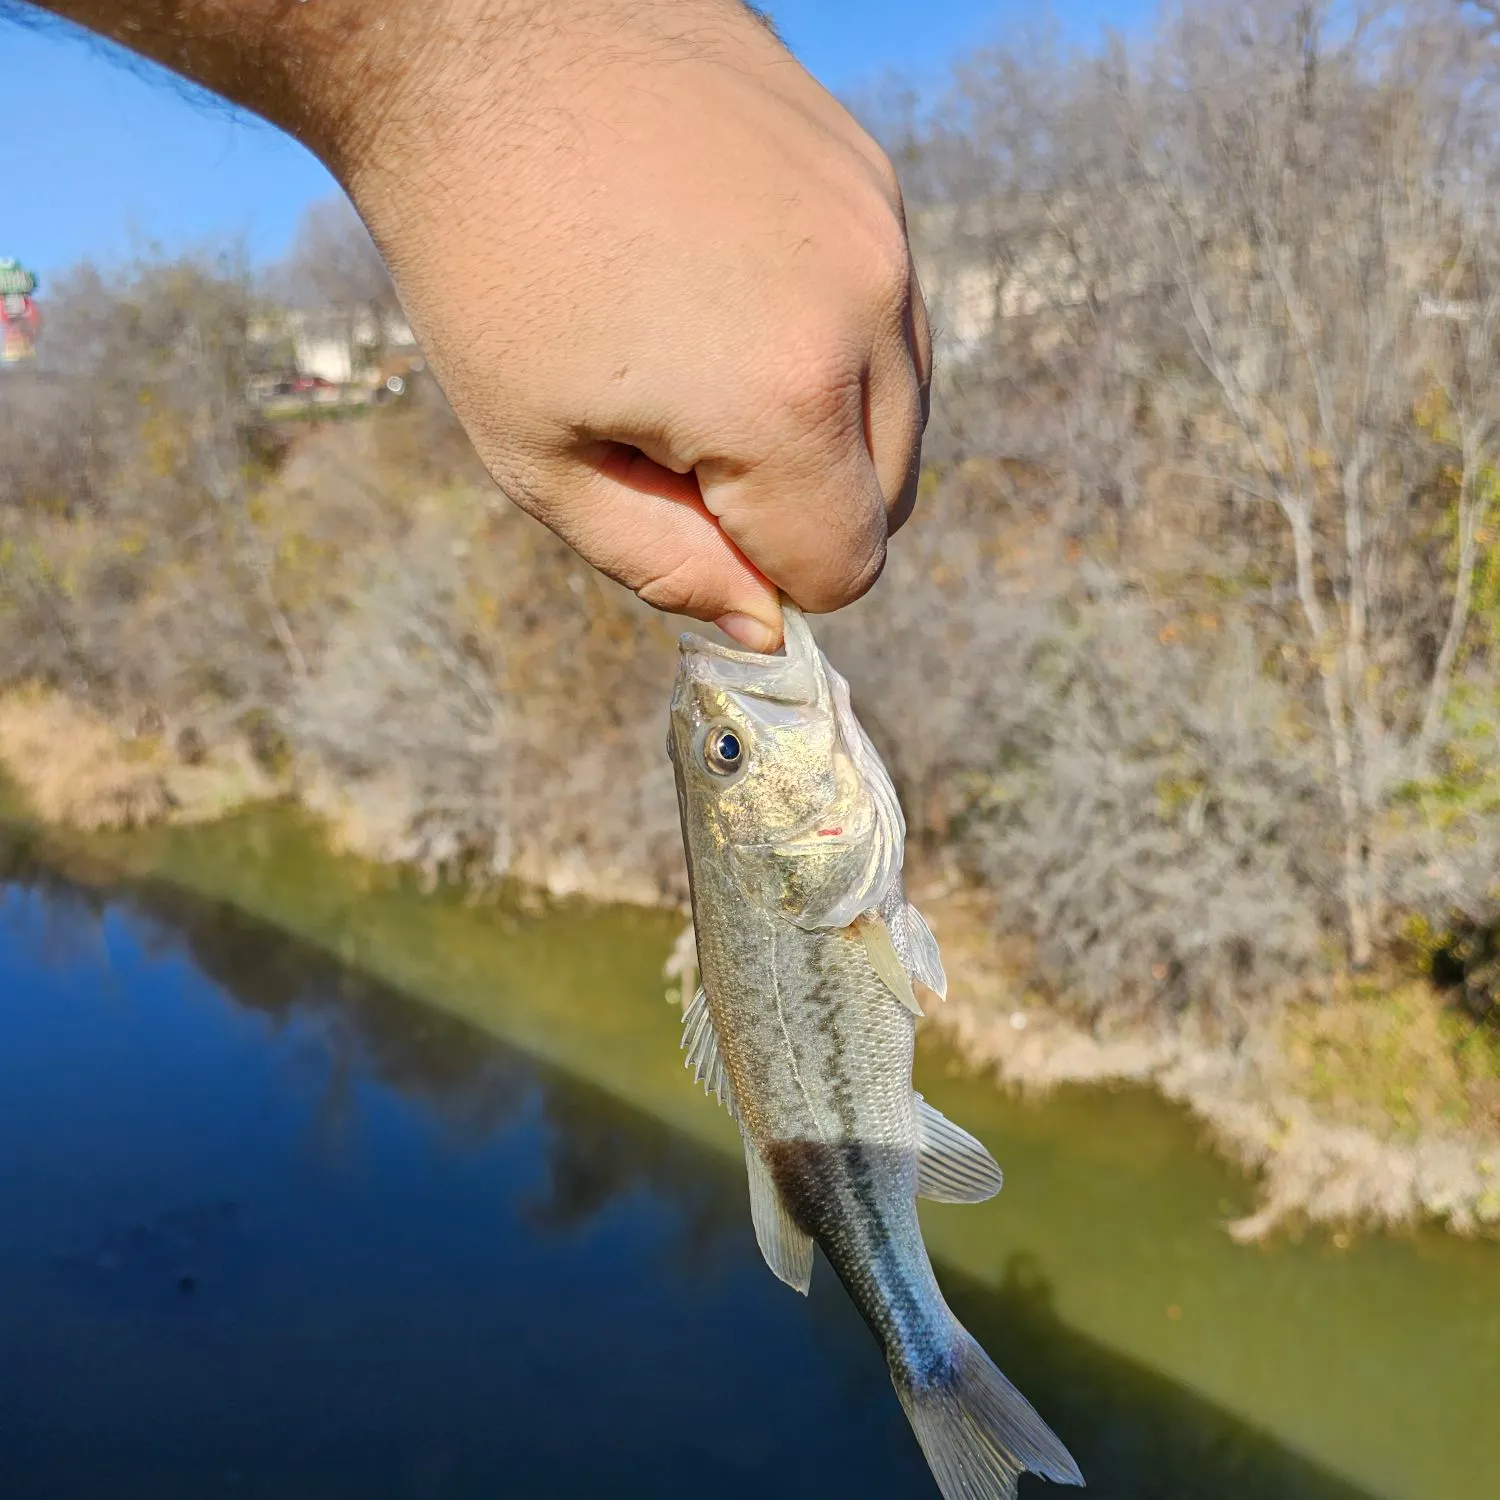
point(1330, 666)
point(1359, 691)
point(1470, 517)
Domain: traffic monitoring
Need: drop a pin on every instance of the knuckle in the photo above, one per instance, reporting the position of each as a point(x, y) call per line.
point(890, 183)
point(862, 566)
point(866, 579)
point(881, 166)
point(821, 395)
point(922, 337)
point(849, 552)
point(887, 259)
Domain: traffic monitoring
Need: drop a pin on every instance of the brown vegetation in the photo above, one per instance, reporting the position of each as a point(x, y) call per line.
point(1188, 669)
point(76, 768)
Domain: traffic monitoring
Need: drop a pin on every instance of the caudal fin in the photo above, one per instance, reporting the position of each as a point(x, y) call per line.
point(978, 1431)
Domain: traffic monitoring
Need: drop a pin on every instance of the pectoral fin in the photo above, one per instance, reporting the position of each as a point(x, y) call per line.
point(886, 961)
point(952, 1167)
point(702, 1044)
point(788, 1250)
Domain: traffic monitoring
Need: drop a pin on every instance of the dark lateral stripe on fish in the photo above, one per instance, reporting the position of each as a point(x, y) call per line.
point(840, 1193)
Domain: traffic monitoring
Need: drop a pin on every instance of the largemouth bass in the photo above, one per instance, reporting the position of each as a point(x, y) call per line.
point(804, 1027)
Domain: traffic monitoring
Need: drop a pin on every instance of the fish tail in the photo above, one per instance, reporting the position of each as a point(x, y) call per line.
point(979, 1433)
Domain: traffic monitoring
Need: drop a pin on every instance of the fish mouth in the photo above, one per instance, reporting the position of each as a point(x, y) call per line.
point(791, 675)
point(691, 644)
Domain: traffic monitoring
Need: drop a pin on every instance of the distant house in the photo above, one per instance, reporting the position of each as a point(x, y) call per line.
point(982, 263)
point(343, 348)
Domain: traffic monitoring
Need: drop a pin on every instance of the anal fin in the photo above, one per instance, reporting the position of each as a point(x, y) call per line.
point(788, 1250)
point(952, 1167)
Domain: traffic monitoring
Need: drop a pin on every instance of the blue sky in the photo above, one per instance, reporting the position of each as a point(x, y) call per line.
point(99, 161)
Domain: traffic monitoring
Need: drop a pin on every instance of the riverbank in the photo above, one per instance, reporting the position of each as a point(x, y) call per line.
point(1362, 1109)
point(1351, 1111)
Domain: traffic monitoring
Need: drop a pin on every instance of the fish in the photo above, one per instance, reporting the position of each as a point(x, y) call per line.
point(813, 967)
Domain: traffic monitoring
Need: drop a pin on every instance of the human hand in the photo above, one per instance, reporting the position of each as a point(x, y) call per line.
point(661, 274)
point(664, 279)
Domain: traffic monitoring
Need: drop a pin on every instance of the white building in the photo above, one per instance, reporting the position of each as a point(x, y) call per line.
point(338, 347)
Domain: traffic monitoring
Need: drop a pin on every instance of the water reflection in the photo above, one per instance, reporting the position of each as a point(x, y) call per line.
point(269, 1228)
point(468, 1084)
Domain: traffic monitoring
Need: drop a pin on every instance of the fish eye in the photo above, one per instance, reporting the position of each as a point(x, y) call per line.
point(723, 751)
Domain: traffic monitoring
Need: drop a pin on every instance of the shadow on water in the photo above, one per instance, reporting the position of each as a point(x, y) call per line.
point(1134, 1433)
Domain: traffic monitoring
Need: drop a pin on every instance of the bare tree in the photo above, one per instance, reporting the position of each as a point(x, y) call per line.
point(1313, 177)
point(1221, 321)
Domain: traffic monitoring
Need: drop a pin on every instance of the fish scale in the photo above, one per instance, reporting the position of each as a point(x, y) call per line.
point(806, 1023)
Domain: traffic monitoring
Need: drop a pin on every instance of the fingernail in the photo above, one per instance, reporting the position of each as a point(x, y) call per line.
point(752, 634)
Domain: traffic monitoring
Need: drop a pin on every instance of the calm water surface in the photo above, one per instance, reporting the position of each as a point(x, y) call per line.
point(269, 1227)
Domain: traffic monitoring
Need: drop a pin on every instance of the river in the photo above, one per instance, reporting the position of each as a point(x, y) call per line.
point(313, 1185)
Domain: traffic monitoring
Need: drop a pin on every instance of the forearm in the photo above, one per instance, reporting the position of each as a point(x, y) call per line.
point(329, 72)
point(349, 77)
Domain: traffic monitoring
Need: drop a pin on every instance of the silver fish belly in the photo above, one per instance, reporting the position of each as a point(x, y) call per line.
point(804, 1026)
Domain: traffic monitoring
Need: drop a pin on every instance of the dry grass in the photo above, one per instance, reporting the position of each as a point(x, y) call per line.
point(1395, 1058)
point(74, 769)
